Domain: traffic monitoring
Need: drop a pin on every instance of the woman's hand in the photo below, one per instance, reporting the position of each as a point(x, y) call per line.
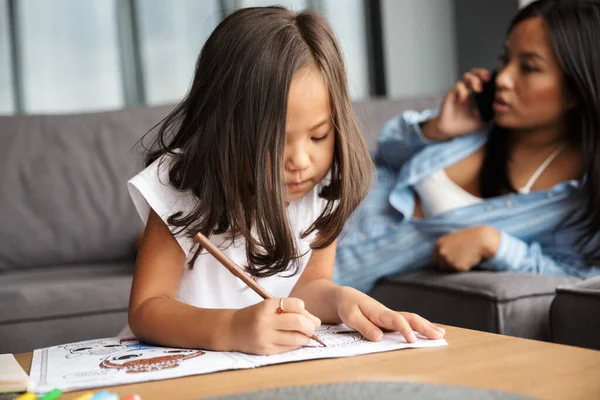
point(458, 114)
point(366, 315)
point(260, 329)
point(464, 249)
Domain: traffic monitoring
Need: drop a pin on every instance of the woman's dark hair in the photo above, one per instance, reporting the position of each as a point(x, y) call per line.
point(225, 140)
point(574, 30)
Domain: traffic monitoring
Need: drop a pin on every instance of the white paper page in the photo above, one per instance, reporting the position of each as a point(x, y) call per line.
point(344, 342)
point(118, 361)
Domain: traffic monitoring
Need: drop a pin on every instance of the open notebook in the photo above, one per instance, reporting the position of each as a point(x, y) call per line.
point(116, 361)
point(12, 376)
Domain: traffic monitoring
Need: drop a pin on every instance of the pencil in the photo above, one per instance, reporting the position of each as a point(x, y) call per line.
point(239, 272)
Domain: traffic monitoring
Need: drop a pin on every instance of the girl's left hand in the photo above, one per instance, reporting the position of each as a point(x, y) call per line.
point(367, 315)
point(464, 249)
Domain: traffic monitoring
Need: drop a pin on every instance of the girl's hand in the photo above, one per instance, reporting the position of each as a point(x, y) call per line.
point(464, 249)
point(458, 114)
point(259, 329)
point(366, 315)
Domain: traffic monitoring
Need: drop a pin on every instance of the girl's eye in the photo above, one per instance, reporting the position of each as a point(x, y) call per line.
point(319, 138)
point(503, 59)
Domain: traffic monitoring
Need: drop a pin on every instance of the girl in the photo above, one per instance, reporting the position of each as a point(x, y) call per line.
point(264, 157)
point(520, 195)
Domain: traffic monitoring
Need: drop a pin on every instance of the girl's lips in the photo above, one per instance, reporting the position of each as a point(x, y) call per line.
point(296, 185)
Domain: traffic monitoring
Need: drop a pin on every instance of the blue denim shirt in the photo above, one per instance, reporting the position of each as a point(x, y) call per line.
point(382, 238)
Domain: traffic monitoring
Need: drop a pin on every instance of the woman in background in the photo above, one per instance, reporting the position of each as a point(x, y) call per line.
point(520, 194)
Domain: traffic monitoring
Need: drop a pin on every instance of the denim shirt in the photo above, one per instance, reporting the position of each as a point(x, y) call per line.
point(382, 237)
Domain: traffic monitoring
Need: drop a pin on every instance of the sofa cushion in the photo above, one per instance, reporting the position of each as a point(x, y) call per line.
point(64, 199)
point(506, 303)
point(574, 314)
point(72, 294)
point(28, 335)
point(64, 291)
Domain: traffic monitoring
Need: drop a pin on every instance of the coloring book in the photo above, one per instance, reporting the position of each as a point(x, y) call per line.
point(118, 361)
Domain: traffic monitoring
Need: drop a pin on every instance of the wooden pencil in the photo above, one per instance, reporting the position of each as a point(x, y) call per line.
point(239, 272)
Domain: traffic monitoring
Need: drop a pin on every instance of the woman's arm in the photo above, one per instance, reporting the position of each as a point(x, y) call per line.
point(403, 136)
point(516, 255)
point(496, 250)
point(409, 132)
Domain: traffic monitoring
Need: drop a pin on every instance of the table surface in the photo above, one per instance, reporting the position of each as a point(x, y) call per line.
point(472, 358)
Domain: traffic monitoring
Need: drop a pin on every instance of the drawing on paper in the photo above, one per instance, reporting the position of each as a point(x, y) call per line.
point(336, 336)
point(99, 347)
point(117, 361)
point(148, 359)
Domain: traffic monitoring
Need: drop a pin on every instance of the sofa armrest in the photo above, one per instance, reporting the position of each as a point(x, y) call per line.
point(572, 314)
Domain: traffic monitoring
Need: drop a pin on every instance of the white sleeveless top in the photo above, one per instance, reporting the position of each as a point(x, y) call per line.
point(209, 284)
point(438, 193)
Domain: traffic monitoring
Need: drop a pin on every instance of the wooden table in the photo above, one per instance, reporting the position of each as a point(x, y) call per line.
point(472, 358)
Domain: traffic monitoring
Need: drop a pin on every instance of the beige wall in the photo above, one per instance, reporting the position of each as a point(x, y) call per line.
point(419, 46)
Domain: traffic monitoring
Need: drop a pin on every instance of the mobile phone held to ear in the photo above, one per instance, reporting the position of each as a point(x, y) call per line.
point(484, 99)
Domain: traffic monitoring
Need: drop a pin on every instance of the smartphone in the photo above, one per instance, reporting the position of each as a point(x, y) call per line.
point(484, 99)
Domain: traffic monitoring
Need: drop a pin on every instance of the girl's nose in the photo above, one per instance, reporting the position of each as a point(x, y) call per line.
point(298, 159)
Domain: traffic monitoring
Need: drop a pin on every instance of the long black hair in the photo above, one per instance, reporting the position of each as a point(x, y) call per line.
point(574, 29)
point(225, 140)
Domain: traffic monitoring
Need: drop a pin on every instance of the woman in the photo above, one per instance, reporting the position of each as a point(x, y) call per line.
point(520, 194)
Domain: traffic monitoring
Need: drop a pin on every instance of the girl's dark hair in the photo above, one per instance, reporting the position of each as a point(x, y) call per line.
point(574, 30)
point(225, 140)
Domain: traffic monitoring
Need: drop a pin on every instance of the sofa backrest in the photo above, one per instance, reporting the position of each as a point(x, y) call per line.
point(64, 197)
point(374, 113)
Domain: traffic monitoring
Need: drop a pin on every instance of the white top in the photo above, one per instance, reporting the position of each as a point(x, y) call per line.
point(209, 284)
point(439, 193)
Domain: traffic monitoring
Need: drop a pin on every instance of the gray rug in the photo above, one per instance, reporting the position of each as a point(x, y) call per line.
point(376, 391)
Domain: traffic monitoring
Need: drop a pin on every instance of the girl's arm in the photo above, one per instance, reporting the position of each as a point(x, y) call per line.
point(316, 288)
point(335, 304)
point(156, 316)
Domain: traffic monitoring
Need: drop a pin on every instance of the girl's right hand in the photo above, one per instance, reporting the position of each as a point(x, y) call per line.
point(458, 114)
point(259, 329)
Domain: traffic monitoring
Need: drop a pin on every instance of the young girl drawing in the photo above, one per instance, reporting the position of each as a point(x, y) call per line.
point(263, 156)
point(520, 194)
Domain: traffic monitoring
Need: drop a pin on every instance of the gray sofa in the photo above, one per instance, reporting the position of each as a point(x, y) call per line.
point(68, 228)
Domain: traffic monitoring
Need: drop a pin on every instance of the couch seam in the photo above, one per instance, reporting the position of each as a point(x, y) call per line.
point(71, 264)
point(63, 316)
point(577, 294)
point(579, 291)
